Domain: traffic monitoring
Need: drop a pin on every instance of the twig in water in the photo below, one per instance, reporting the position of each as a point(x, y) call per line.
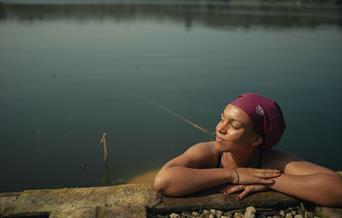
point(105, 147)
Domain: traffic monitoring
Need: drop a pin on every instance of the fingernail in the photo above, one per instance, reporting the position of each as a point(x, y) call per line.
point(238, 198)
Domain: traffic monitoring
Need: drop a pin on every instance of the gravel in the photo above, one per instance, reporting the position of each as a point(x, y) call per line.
point(249, 212)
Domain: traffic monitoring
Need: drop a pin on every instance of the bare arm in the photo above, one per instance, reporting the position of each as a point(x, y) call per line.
point(186, 173)
point(321, 189)
point(192, 171)
point(179, 181)
point(308, 181)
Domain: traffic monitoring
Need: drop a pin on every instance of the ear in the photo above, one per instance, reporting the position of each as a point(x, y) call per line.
point(258, 140)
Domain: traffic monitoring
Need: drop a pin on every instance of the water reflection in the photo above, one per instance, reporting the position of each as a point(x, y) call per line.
point(217, 14)
point(67, 73)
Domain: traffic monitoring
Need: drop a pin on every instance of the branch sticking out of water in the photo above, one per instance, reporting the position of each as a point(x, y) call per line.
point(105, 147)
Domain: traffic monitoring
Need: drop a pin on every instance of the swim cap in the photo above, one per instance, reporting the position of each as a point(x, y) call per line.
point(266, 115)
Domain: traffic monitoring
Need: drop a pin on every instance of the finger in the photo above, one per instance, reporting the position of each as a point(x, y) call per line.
point(244, 194)
point(230, 188)
point(234, 189)
point(268, 171)
point(268, 175)
point(265, 181)
point(226, 188)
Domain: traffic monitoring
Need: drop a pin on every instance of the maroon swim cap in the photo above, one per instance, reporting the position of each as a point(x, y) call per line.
point(267, 117)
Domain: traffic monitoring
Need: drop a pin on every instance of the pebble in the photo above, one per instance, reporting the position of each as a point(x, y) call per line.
point(302, 206)
point(206, 212)
point(218, 213)
point(298, 216)
point(282, 213)
point(289, 215)
point(308, 214)
point(212, 210)
point(174, 215)
point(250, 212)
point(228, 214)
point(195, 214)
point(238, 215)
point(186, 215)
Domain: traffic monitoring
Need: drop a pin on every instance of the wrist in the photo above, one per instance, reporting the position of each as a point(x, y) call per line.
point(276, 179)
point(231, 176)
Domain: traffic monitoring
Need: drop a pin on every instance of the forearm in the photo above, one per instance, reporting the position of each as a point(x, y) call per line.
point(177, 181)
point(322, 189)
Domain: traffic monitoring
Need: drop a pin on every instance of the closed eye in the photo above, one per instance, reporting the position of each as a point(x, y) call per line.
point(232, 125)
point(235, 125)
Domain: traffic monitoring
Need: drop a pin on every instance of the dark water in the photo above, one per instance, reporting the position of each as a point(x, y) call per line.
point(70, 72)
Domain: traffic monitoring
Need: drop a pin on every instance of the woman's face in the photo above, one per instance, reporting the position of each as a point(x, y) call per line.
point(234, 130)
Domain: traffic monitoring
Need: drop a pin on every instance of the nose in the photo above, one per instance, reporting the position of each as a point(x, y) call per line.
point(221, 128)
point(222, 131)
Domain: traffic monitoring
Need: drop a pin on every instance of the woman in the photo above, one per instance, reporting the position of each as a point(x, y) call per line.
point(243, 157)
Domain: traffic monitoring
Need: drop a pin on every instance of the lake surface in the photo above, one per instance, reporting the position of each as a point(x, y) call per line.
point(70, 72)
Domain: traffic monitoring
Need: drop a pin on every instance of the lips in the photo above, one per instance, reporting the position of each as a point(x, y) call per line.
point(218, 139)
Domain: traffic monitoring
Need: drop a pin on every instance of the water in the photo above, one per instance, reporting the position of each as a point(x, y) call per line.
point(69, 73)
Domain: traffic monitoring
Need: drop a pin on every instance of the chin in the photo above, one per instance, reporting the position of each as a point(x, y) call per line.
point(220, 146)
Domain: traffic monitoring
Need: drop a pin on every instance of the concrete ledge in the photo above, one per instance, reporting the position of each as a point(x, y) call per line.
point(112, 201)
point(133, 200)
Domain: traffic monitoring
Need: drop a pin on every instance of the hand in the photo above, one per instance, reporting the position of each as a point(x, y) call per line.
point(247, 176)
point(246, 190)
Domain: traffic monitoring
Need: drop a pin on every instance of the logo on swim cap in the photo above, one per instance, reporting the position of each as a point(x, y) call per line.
point(259, 110)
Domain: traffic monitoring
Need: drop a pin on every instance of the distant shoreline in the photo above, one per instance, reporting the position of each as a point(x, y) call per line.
point(178, 2)
point(216, 14)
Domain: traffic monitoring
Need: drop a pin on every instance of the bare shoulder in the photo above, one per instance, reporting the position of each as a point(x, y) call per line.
point(200, 155)
point(290, 163)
